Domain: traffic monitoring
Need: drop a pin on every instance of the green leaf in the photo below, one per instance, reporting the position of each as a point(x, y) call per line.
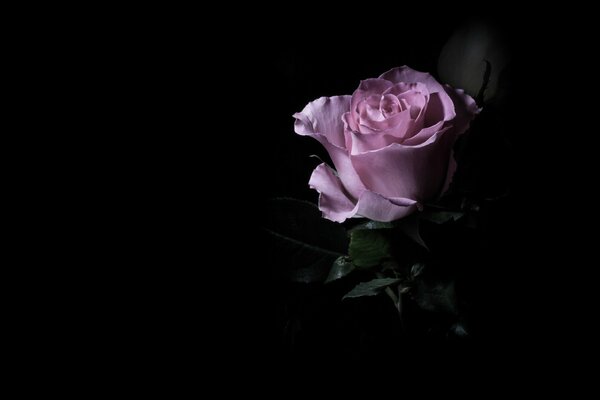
point(303, 244)
point(368, 248)
point(459, 330)
point(436, 296)
point(440, 217)
point(416, 270)
point(340, 268)
point(373, 225)
point(370, 288)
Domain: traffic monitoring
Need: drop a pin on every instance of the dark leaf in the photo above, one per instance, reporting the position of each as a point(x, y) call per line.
point(340, 268)
point(459, 330)
point(370, 288)
point(304, 244)
point(436, 296)
point(486, 80)
point(404, 289)
point(373, 225)
point(440, 217)
point(416, 270)
point(368, 248)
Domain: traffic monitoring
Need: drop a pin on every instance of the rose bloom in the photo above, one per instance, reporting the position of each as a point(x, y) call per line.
point(390, 142)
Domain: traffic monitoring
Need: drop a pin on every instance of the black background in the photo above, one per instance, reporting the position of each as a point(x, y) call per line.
point(227, 155)
point(289, 74)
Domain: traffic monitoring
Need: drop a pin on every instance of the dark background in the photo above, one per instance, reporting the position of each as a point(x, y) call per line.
point(227, 155)
point(308, 323)
point(191, 123)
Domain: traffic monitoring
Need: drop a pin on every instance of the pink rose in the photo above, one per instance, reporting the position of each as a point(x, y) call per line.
point(390, 142)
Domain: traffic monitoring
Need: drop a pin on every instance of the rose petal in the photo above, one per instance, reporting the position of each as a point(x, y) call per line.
point(439, 108)
point(349, 123)
point(374, 86)
point(343, 166)
point(345, 170)
point(415, 100)
point(423, 135)
point(415, 96)
point(324, 116)
point(333, 201)
point(390, 105)
point(397, 124)
point(337, 206)
point(414, 172)
point(318, 120)
point(409, 75)
point(404, 87)
point(368, 110)
point(465, 106)
point(368, 87)
point(378, 208)
point(362, 143)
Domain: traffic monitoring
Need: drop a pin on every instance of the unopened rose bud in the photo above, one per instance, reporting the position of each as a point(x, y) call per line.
point(462, 60)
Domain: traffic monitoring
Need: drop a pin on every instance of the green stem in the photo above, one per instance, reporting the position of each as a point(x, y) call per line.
point(392, 295)
point(397, 300)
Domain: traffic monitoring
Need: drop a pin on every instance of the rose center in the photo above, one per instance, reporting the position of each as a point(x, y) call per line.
point(389, 105)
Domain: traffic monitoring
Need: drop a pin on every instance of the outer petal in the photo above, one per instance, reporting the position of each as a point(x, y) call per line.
point(324, 117)
point(335, 204)
point(322, 120)
point(439, 108)
point(404, 87)
point(413, 172)
point(344, 168)
point(465, 106)
point(409, 75)
point(378, 208)
point(373, 86)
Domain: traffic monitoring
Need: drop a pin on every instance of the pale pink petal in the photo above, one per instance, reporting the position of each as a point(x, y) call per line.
point(368, 109)
point(416, 102)
point(423, 135)
point(349, 126)
point(403, 87)
point(322, 120)
point(374, 86)
point(398, 122)
point(362, 143)
point(378, 208)
point(439, 108)
point(414, 172)
point(390, 105)
point(367, 88)
point(343, 166)
point(335, 204)
point(324, 117)
point(349, 123)
point(465, 106)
